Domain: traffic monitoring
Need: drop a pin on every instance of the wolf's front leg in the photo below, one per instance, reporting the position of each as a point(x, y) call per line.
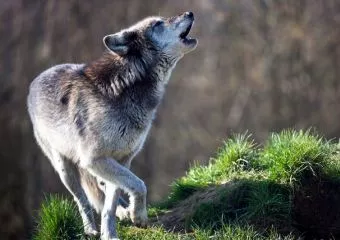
point(114, 173)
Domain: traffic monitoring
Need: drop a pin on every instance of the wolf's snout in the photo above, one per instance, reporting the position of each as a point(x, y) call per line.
point(185, 22)
point(189, 14)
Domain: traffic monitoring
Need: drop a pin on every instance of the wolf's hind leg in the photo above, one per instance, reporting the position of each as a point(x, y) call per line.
point(69, 175)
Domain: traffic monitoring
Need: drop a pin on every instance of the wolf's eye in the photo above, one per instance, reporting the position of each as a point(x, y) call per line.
point(158, 23)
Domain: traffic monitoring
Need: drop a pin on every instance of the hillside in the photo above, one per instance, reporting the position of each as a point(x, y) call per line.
point(287, 188)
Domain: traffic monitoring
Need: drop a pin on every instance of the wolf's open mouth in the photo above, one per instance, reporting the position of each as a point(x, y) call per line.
point(186, 32)
point(184, 36)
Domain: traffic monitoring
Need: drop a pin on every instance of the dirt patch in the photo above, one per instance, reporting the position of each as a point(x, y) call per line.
point(316, 209)
point(228, 201)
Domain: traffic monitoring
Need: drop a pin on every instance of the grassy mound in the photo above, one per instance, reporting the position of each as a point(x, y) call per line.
point(286, 189)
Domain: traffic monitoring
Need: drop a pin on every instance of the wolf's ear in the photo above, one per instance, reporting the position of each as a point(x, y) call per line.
point(116, 43)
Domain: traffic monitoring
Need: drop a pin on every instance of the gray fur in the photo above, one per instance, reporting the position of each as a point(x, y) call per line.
point(91, 119)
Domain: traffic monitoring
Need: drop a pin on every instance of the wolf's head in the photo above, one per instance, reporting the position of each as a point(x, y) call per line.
point(167, 37)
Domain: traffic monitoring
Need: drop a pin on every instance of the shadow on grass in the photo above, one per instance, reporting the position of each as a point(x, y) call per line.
point(262, 204)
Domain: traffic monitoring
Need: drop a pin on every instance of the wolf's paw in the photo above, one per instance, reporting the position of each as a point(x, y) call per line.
point(91, 231)
point(105, 237)
point(122, 213)
point(140, 218)
point(108, 238)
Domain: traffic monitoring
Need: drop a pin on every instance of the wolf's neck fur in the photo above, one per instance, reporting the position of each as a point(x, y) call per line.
point(114, 75)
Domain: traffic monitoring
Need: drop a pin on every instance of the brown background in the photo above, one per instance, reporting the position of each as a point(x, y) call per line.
point(261, 66)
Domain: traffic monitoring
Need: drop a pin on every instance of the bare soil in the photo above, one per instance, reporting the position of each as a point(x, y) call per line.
point(176, 218)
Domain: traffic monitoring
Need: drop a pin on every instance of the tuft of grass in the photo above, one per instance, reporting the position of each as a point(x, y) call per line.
point(266, 203)
point(289, 154)
point(236, 154)
point(331, 169)
point(155, 210)
point(59, 219)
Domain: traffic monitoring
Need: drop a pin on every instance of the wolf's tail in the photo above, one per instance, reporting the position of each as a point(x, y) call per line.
point(94, 194)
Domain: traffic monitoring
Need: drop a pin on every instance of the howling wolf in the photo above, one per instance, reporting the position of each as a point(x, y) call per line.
point(91, 119)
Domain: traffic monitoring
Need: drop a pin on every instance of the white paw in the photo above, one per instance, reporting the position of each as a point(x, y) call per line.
point(107, 237)
point(91, 231)
point(122, 213)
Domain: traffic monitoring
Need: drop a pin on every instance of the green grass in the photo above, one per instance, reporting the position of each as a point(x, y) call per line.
point(228, 231)
point(287, 155)
point(234, 156)
point(254, 186)
point(284, 158)
point(59, 219)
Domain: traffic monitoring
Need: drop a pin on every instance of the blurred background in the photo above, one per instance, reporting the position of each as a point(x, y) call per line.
point(261, 65)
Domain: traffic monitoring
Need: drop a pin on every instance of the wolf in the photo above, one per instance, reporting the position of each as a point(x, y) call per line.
point(90, 120)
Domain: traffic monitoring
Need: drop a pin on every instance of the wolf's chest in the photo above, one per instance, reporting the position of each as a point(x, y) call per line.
point(126, 142)
point(133, 139)
point(125, 128)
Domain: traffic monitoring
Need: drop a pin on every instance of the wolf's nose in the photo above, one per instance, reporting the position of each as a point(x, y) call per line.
point(189, 14)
